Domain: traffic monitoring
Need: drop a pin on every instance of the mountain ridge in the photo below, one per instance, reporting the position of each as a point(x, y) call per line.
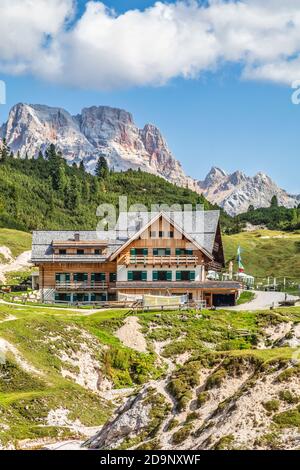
point(111, 132)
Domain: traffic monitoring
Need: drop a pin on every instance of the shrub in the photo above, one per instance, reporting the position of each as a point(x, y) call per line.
point(182, 434)
point(272, 405)
point(216, 379)
point(202, 398)
point(287, 396)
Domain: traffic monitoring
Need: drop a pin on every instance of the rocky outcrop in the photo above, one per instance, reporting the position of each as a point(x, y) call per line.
point(99, 130)
point(235, 192)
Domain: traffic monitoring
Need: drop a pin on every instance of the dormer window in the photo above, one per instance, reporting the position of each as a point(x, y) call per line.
point(97, 252)
point(80, 252)
point(62, 252)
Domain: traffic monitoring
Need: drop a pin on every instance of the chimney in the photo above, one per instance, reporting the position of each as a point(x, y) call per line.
point(77, 237)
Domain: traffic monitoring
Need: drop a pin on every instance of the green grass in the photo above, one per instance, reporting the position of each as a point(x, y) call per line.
point(266, 256)
point(16, 240)
point(245, 297)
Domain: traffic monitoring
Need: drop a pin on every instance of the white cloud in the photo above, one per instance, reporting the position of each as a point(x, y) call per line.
point(103, 50)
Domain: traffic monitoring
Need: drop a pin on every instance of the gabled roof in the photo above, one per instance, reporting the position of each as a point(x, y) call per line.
point(152, 221)
point(200, 227)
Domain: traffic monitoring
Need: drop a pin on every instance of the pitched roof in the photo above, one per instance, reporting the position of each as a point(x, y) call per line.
point(199, 226)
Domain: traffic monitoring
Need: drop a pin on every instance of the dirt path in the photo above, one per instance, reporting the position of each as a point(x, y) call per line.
point(262, 300)
point(130, 335)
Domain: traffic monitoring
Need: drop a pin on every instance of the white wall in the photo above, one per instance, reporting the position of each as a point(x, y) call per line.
point(122, 272)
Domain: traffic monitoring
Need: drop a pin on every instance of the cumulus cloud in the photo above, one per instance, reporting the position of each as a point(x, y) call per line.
point(103, 50)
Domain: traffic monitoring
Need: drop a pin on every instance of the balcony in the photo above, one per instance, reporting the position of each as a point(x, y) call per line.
point(161, 260)
point(81, 286)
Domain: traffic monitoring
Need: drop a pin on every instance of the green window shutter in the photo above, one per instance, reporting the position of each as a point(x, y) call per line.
point(93, 277)
point(112, 277)
point(155, 251)
point(68, 277)
point(68, 297)
point(75, 277)
point(57, 277)
point(74, 297)
point(169, 275)
point(154, 275)
point(178, 275)
point(192, 275)
point(145, 251)
point(144, 275)
point(86, 297)
point(103, 277)
point(56, 297)
point(178, 251)
point(132, 252)
point(93, 297)
point(189, 252)
point(85, 277)
point(130, 276)
point(168, 251)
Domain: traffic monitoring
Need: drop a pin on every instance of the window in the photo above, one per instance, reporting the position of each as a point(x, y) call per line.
point(62, 278)
point(183, 252)
point(185, 275)
point(80, 297)
point(138, 251)
point(112, 277)
point(98, 297)
point(62, 297)
point(162, 275)
point(161, 234)
point(152, 234)
point(161, 251)
point(171, 234)
point(80, 252)
point(137, 275)
point(80, 277)
point(62, 252)
point(98, 277)
point(97, 251)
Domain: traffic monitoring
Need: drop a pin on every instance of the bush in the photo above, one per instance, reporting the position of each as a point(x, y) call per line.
point(202, 398)
point(216, 379)
point(182, 434)
point(287, 396)
point(272, 405)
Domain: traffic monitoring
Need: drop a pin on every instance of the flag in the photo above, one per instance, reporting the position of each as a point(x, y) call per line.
point(239, 260)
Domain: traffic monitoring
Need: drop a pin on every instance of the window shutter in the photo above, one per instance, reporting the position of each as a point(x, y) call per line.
point(57, 277)
point(144, 275)
point(68, 277)
point(75, 277)
point(154, 275)
point(93, 297)
point(155, 251)
point(68, 297)
point(169, 275)
point(178, 275)
point(130, 276)
point(93, 277)
point(112, 277)
point(85, 277)
point(86, 297)
point(189, 252)
point(56, 297)
point(192, 275)
point(145, 251)
point(103, 277)
point(178, 251)
point(132, 252)
point(168, 251)
point(74, 297)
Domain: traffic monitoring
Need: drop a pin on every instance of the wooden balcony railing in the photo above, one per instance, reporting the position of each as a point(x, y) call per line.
point(161, 260)
point(73, 286)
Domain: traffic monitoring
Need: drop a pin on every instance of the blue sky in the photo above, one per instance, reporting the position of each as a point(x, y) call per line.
point(217, 118)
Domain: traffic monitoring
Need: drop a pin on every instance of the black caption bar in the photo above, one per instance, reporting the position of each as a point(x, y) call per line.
point(134, 459)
